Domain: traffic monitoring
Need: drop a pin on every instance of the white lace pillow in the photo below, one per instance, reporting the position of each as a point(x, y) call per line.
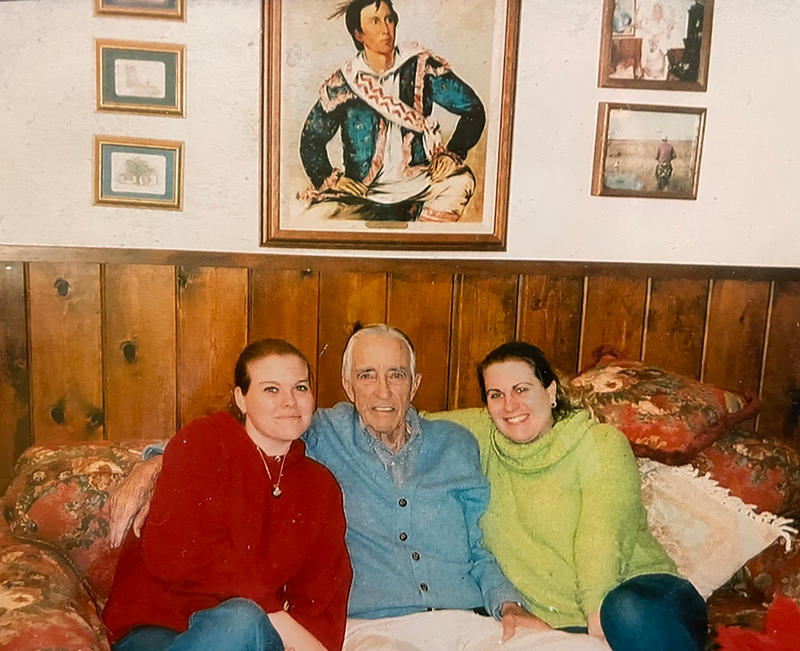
point(708, 532)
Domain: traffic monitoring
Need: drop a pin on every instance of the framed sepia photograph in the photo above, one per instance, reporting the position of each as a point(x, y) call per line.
point(648, 151)
point(170, 9)
point(388, 124)
point(135, 77)
point(138, 173)
point(656, 44)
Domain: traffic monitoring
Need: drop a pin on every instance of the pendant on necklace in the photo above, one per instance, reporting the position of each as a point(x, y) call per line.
point(276, 491)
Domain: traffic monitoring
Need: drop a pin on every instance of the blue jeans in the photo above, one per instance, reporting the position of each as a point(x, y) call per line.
point(654, 612)
point(236, 624)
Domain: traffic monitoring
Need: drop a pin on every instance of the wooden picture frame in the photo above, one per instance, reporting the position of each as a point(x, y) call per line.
point(656, 44)
point(138, 173)
point(470, 46)
point(136, 77)
point(168, 9)
point(643, 150)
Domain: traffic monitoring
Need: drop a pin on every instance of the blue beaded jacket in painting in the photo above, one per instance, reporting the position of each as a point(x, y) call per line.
point(351, 102)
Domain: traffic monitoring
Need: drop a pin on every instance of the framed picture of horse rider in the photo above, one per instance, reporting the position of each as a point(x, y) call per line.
point(387, 123)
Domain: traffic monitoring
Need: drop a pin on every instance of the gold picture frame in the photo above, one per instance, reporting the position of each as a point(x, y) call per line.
point(138, 172)
point(645, 150)
point(476, 42)
point(168, 9)
point(656, 44)
point(139, 77)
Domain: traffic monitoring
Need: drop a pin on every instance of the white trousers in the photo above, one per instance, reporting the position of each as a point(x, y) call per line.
point(455, 630)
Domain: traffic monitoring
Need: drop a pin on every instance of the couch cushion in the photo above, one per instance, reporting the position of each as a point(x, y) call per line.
point(59, 497)
point(42, 604)
point(764, 472)
point(666, 417)
point(776, 570)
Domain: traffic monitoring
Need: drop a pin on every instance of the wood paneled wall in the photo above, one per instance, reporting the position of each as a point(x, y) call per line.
point(115, 344)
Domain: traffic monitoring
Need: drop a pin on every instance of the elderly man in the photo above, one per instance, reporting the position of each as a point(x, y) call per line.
point(414, 492)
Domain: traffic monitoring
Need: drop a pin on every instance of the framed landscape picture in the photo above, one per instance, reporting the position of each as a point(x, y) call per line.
point(388, 124)
point(171, 9)
point(648, 151)
point(139, 173)
point(137, 77)
point(657, 44)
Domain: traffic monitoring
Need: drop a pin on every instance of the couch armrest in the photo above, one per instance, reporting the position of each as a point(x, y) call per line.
point(43, 605)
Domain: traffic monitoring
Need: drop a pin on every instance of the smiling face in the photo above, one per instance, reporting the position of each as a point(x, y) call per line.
point(378, 27)
point(278, 404)
point(518, 403)
point(380, 384)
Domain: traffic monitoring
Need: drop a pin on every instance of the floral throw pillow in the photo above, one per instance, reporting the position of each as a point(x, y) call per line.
point(665, 416)
point(764, 472)
point(59, 497)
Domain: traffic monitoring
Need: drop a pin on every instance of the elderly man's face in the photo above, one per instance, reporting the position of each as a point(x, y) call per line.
point(380, 383)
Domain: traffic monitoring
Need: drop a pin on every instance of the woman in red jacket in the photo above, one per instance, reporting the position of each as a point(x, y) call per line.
point(244, 545)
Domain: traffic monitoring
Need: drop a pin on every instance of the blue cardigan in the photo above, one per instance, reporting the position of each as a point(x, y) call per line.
point(418, 546)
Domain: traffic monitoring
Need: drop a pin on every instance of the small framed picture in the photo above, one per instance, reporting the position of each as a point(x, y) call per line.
point(141, 77)
point(138, 173)
point(170, 9)
point(648, 151)
point(656, 44)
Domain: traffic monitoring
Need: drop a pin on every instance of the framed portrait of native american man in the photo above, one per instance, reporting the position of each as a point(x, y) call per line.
point(656, 44)
point(388, 123)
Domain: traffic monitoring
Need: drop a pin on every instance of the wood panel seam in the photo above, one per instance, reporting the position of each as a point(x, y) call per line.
point(704, 354)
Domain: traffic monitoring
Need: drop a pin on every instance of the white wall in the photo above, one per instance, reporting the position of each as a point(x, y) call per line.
point(747, 211)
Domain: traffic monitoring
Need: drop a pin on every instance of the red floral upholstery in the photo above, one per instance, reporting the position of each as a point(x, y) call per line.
point(775, 571)
point(59, 497)
point(762, 472)
point(666, 417)
point(42, 604)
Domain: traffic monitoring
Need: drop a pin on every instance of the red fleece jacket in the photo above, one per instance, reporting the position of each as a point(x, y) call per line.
point(215, 532)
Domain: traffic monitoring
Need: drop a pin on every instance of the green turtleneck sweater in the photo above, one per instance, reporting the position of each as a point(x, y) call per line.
point(565, 520)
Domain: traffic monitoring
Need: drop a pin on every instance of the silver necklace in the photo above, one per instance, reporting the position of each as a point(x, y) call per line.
point(276, 487)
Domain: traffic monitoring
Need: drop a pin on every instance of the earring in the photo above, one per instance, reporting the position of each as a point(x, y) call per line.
point(553, 404)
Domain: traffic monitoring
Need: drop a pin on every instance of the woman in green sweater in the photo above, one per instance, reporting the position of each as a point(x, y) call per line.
point(566, 520)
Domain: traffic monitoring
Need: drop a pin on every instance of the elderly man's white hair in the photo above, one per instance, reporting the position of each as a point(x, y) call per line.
point(385, 331)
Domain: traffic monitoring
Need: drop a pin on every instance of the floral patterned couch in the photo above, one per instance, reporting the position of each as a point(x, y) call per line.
point(56, 564)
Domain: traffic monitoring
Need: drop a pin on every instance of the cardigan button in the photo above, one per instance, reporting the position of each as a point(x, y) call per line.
point(403, 536)
point(403, 502)
point(423, 587)
point(415, 556)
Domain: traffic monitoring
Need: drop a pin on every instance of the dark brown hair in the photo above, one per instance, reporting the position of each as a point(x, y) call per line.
point(352, 16)
point(521, 351)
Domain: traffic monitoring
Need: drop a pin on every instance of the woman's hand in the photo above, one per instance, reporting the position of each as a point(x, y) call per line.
point(293, 634)
point(130, 504)
point(515, 616)
point(595, 629)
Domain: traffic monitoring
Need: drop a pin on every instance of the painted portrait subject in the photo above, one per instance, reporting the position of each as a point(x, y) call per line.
point(390, 113)
point(396, 164)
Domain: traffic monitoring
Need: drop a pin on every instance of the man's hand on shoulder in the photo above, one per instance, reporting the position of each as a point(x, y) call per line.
point(515, 616)
point(130, 504)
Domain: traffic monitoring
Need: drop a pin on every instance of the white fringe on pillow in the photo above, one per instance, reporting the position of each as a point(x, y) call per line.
point(708, 532)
